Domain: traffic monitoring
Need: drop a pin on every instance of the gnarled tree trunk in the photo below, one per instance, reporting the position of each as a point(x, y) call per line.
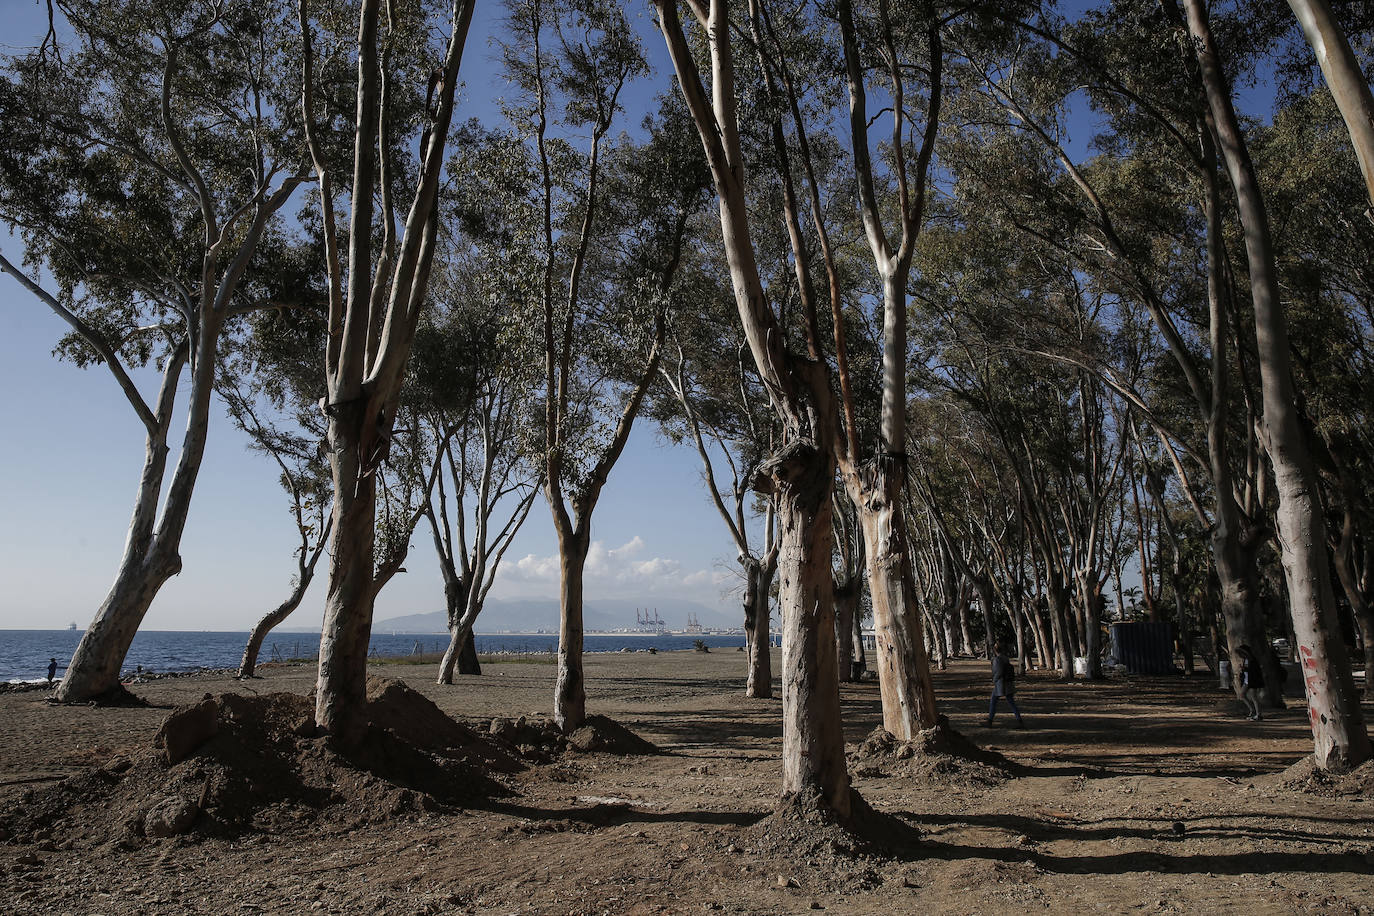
point(813, 742)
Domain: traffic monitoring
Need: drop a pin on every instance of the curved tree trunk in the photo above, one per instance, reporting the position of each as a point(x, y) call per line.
point(1338, 728)
point(264, 626)
point(152, 549)
point(304, 576)
point(1344, 78)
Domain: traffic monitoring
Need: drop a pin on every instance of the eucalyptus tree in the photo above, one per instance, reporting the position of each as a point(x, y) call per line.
point(271, 386)
point(1345, 78)
point(612, 233)
point(801, 469)
point(1147, 226)
point(1324, 252)
point(718, 405)
point(849, 589)
point(1338, 727)
point(474, 382)
point(376, 293)
point(144, 162)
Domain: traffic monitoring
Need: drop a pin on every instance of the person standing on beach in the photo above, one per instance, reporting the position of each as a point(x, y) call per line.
point(1003, 684)
point(52, 670)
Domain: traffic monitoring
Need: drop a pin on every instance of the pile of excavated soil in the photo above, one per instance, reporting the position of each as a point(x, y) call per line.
point(938, 756)
point(541, 740)
point(233, 763)
point(1305, 776)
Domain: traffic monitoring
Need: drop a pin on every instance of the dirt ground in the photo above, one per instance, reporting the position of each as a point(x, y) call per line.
point(1146, 795)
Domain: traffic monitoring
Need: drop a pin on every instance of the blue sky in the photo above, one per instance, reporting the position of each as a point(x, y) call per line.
point(74, 448)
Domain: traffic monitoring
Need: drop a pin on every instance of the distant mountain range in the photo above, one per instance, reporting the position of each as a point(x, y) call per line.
point(525, 615)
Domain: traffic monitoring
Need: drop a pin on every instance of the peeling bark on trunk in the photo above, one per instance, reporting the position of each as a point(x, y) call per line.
point(342, 682)
point(903, 670)
point(813, 742)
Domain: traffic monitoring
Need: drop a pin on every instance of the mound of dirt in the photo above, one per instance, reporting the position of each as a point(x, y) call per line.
point(938, 755)
point(609, 737)
point(232, 764)
point(1305, 776)
point(848, 853)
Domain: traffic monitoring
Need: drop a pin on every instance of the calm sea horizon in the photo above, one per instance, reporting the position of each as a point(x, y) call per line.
point(24, 654)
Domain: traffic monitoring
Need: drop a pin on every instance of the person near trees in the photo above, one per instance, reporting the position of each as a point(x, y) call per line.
point(1003, 685)
point(52, 670)
point(1251, 683)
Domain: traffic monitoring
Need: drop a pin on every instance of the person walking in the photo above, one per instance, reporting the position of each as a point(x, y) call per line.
point(1251, 683)
point(52, 670)
point(1003, 685)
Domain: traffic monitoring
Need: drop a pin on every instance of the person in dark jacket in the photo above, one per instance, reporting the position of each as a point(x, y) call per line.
point(1251, 683)
point(1003, 685)
point(52, 670)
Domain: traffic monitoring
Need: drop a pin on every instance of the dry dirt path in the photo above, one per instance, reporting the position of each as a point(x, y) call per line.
point(1140, 795)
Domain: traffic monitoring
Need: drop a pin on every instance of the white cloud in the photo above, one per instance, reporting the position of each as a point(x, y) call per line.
point(607, 568)
point(530, 568)
point(629, 549)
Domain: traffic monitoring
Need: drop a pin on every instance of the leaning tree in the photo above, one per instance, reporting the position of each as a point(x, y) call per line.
point(144, 162)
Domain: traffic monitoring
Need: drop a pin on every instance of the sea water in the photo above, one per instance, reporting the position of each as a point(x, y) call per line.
point(24, 654)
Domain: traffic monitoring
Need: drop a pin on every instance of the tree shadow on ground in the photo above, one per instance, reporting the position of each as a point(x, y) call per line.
point(1231, 863)
point(604, 814)
point(1159, 829)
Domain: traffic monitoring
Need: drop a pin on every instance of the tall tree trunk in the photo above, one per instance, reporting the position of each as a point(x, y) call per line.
point(1344, 78)
point(1338, 729)
point(813, 740)
point(468, 662)
point(341, 690)
point(1059, 622)
point(1090, 596)
point(846, 606)
point(758, 574)
point(570, 690)
point(859, 659)
point(908, 696)
point(1343, 557)
point(152, 551)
